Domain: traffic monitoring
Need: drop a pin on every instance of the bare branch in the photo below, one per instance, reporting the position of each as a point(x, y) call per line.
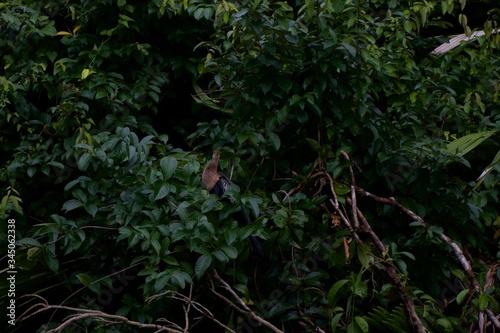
point(242, 308)
point(96, 315)
point(197, 306)
point(391, 271)
point(459, 254)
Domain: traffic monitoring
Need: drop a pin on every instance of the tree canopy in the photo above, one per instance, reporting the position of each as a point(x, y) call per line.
point(368, 164)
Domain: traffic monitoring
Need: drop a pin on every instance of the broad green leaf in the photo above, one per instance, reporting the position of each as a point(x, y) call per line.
point(161, 192)
point(168, 165)
point(29, 241)
point(335, 322)
point(202, 264)
point(181, 278)
point(446, 324)
point(332, 294)
point(91, 208)
point(362, 324)
point(209, 204)
point(51, 262)
point(84, 161)
point(221, 256)
point(72, 204)
point(275, 140)
point(465, 144)
point(230, 251)
point(365, 255)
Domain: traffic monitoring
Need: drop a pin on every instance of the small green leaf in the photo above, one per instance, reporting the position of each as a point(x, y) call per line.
point(362, 324)
point(483, 302)
point(85, 279)
point(31, 171)
point(461, 295)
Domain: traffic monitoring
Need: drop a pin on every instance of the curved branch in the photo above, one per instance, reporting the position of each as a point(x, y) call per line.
point(242, 308)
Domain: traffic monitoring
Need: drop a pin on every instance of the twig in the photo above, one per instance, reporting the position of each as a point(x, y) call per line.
point(242, 308)
point(197, 306)
point(335, 204)
point(353, 191)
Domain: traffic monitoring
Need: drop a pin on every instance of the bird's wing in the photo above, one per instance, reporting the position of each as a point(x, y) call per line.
point(221, 185)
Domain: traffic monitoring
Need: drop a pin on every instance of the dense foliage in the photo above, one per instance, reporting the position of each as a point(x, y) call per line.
point(369, 165)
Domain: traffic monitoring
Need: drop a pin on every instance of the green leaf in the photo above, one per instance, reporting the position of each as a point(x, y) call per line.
point(446, 324)
point(84, 161)
point(180, 278)
point(462, 295)
point(230, 251)
point(221, 256)
point(168, 165)
point(85, 279)
point(253, 201)
point(72, 204)
point(362, 324)
point(31, 171)
point(365, 255)
point(483, 302)
point(91, 209)
point(335, 322)
point(29, 241)
point(332, 294)
point(285, 83)
point(161, 192)
point(209, 204)
point(51, 261)
point(467, 143)
point(275, 140)
point(202, 264)
point(338, 5)
point(350, 49)
point(230, 235)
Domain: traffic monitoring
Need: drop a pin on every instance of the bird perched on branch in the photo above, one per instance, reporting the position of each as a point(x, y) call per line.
point(217, 183)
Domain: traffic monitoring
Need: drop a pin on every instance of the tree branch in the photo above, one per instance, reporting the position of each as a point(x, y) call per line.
point(242, 308)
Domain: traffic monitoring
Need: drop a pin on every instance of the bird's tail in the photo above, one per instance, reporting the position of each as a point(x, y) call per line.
point(256, 247)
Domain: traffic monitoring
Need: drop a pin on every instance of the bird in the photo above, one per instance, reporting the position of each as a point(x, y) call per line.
point(217, 183)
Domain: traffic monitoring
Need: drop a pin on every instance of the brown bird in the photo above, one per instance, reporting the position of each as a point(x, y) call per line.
point(217, 183)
